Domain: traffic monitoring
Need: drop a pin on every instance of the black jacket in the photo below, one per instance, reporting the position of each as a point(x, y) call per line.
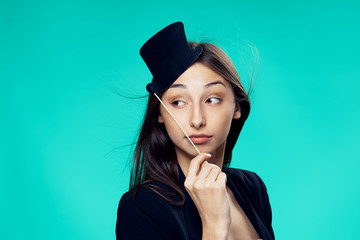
point(149, 216)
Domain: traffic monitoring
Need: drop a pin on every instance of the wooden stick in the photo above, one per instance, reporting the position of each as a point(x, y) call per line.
point(177, 123)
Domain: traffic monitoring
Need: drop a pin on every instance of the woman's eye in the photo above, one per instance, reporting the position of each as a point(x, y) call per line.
point(213, 100)
point(178, 103)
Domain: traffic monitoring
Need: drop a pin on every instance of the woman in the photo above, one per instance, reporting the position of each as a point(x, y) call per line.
point(181, 186)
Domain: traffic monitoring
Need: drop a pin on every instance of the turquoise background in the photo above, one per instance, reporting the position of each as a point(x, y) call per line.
point(65, 133)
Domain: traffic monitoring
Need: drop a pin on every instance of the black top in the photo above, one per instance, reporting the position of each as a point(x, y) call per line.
point(149, 216)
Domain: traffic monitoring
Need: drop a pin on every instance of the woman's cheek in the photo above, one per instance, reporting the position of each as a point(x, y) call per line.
point(220, 114)
point(222, 120)
point(173, 129)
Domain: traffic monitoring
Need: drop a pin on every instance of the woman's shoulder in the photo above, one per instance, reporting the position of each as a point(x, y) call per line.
point(242, 174)
point(148, 194)
point(147, 206)
point(248, 179)
point(147, 198)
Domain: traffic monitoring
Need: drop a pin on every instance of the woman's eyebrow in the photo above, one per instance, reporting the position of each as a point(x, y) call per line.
point(214, 83)
point(206, 86)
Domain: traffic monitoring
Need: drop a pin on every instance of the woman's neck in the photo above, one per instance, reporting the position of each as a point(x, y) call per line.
point(183, 158)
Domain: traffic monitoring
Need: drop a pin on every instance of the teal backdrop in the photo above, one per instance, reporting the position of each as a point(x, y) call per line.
point(65, 130)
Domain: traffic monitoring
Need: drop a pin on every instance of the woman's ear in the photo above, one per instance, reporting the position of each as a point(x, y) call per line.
point(160, 119)
point(237, 113)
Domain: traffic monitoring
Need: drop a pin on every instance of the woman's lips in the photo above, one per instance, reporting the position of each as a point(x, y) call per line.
point(200, 139)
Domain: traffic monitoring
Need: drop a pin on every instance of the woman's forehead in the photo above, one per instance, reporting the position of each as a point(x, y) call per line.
point(200, 76)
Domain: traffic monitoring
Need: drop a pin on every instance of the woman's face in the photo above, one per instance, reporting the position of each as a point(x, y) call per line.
point(203, 103)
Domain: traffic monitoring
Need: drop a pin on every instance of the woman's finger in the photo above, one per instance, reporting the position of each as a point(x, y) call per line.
point(213, 175)
point(195, 164)
point(205, 169)
point(221, 179)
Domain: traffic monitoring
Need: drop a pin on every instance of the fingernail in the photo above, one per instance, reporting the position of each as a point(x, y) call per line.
point(208, 154)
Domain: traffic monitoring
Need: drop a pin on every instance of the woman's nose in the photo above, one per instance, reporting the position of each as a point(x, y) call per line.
point(197, 118)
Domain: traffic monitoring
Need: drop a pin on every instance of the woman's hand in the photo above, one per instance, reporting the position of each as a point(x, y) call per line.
point(206, 185)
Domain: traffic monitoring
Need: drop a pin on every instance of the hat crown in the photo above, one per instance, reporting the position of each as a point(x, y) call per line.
point(167, 55)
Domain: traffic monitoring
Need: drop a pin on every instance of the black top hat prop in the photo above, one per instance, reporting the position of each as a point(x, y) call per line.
point(167, 55)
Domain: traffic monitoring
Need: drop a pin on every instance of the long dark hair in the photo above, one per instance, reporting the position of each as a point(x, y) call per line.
point(154, 158)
